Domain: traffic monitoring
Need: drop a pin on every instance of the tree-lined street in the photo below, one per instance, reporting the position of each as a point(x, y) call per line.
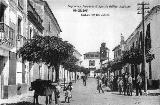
point(88, 95)
point(48, 45)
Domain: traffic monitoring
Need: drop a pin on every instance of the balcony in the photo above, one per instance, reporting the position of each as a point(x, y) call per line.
point(34, 17)
point(7, 35)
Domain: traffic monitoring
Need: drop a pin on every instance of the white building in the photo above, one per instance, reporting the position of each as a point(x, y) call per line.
point(152, 26)
point(20, 20)
point(92, 62)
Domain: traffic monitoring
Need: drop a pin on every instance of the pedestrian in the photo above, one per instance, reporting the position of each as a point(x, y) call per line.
point(94, 75)
point(68, 94)
point(77, 77)
point(125, 80)
point(99, 85)
point(57, 95)
point(138, 85)
point(84, 80)
point(130, 85)
point(120, 85)
point(111, 83)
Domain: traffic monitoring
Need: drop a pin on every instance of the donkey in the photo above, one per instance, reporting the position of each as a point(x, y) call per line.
point(42, 88)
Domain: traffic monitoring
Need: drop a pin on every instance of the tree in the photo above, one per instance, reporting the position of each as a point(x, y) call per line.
point(116, 65)
point(70, 64)
point(133, 56)
point(49, 50)
point(84, 70)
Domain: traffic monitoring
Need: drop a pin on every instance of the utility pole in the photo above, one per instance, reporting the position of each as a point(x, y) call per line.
point(143, 8)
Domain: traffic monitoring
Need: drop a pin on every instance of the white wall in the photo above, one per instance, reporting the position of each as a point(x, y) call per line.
point(155, 39)
point(85, 63)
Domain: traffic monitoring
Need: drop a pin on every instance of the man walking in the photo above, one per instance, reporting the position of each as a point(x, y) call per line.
point(130, 85)
point(99, 85)
point(125, 80)
point(138, 85)
point(84, 80)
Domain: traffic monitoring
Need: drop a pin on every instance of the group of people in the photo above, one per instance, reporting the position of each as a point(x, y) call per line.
point(99, 84)
point(67, 91)
point(125, 84)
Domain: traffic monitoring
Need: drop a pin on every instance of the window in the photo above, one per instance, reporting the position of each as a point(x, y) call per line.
point(136, 44)
point(140, 40)
point(92, 55)
point(30, 33)
point(92, 63)
point(87, 55)
point(2, 8)
point(148, 38)
point(49, 27)
point(96, 55)
point(19, 26)
point(21, 3)
point(133, 45)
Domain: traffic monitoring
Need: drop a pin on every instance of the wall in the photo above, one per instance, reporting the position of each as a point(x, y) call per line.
point(85, 63)
point(154, 19)
point(12, 68)
point(155, 38)
point(34, 72)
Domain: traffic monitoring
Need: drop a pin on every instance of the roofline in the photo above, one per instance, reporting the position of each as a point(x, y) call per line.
point(53, 16)
point(116, 47)
point(54, 19)
point(92, 52)
point(78, 52)
point(145, 18)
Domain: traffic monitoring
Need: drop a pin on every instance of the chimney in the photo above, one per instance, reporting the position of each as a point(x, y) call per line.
point(122, 39)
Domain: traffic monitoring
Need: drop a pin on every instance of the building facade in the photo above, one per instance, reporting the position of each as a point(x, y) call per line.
point(118, 51)
point(34, 27)
point(92, 62)
point(152, 46)
point(20, 20)
point(152, 38)
point(12, 26)
point(51, 28)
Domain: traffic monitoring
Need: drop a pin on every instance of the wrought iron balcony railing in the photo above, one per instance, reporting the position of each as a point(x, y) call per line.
point(7, 34)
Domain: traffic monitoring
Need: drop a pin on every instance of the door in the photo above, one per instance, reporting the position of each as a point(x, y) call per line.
point(1, 76)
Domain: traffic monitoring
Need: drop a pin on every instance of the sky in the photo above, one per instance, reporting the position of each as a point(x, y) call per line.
point(87, 33)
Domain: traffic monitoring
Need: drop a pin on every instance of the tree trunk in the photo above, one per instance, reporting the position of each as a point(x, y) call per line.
point(57, 73)
point(52, 73)
point(56, 80)
point(48, 73)
point(70, 76)
point(75, 76)
point(67, 75)
point(64, 78)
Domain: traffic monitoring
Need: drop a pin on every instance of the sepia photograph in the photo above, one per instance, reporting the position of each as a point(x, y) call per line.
point(79, 52)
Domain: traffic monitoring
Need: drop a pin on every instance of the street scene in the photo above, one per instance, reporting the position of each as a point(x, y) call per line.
point(79, 52)
point(89, 95)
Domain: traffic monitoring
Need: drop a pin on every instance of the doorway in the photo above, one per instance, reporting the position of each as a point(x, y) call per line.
point(2, 64)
